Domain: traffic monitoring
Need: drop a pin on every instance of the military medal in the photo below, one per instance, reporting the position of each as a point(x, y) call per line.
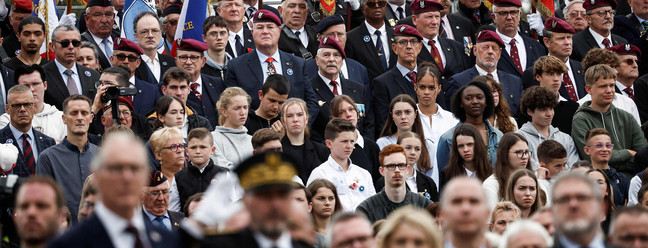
point(392, 22)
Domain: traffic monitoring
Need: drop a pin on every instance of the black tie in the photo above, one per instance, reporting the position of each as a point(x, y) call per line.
point(401, 15)
point(239, 47)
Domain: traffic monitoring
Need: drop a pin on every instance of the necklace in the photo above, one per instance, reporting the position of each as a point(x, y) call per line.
point(26, 61)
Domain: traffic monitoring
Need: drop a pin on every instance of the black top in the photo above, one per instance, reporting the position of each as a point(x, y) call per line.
point(308, 156)
point(424, 184)
point(14, 63)
point(255, 122)
point(191, 181)
point(378, 207)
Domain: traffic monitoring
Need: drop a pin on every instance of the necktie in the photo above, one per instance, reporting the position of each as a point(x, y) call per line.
point(380, 50)
point(401, 13)
point(132, 230)
point(271, 68)
point(412, 77)
point(630, 92)
point(569, 86)
point(194, 90)
point(250, 11)
point(297, 33)
point(606, 43)
point(435, 54)
point(107, 49)
point(490, 75)
point(335, 91)
point(28, 154)
point(476, 15)
point(515, 56)
point(238, 45)
point(71, 84)
point(645, 25)
point(341, 77)
point(159, 221)
point(442, 32)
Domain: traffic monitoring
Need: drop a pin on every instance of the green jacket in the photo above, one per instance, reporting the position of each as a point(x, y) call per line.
point(625, 134)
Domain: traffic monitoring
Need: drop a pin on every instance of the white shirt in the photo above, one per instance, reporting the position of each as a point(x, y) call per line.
point(199, 82)
point(115, 226)
point(328, 83)
point(483, 72)
point(436, 125)
point(75, 75)
point(3, 90)
point(185, 125)
point(519, 43)
point(621, 102)
point(411, 182)
point(635, 186)
point(623, 87)
point(264, 65)
point(599, 38)
point(303, 36)
point(383, 38)
point(491, 188)
point(343, 180)
point(438, 47)
point(431, 147)
point(232, 41)
point(344, 70)
point(394, 7)
point(447, 28)
point(469, 173)
point(360, 139)
point(100, 44)
point(570, 74)
point(153, 65)
point(284, 241)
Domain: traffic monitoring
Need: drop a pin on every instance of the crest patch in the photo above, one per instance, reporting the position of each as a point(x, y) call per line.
point(422, 4)
point(627, 47)
point(402, 28)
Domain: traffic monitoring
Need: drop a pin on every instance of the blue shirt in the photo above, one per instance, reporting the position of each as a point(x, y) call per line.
point(19, 139)
point(445, 145)
point(166, 220)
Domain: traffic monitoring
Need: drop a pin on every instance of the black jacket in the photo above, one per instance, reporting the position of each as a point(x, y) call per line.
point(367, 157)
point(424, 184)
point(191, 181)
point(289, 45)
point(314, 154)
point(584, 41)
point(461, 27)
point(255, 122)
point(484, 15)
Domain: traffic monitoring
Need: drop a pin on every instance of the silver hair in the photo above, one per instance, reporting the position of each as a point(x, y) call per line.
point(569, 176)
point(343, 217)
point(517, 227)
point(64, 27)
point(87, 44)
point(569, 4)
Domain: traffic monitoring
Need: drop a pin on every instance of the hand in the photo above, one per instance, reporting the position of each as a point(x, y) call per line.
point(98, 104)
point(355, 4)
point(535, 23)
point(216, 206)
point(632, 152)
point(68, 19)
point(543, 173)
point(277, 126)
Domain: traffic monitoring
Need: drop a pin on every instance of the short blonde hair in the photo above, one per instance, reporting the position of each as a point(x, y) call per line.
point(419, 218)
point(597, 72)
point(161, 136)
point(505, 206)
point(225, 100)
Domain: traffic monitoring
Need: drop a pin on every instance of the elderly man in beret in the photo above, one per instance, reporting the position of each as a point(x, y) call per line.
point(600, 18)
point(100, 19)
point(171, 16)
point(632, 27)
point(155, 203)
point(628, 70)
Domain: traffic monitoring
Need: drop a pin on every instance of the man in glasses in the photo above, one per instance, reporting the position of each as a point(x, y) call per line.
point(155, 203)
point(64, 75)
point(215, 34)
point(393, 166)
point(100, 18)
point(629, 227)
point(240, 37)
point(205, 90)
point(148, 35)
point(628, 70)
point(600, 18)
point(346, 229)
point(170, 17)
point(600, 112)
point(21, 107)
point(31, 34)
point(599, 147)
point(67, 162)
point(296, 37)
point(632, 29)
point(575, 15)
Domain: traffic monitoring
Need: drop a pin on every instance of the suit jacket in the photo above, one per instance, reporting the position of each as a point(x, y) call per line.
point(584, 41)
point(357, 71)
point(632, 30)
point(8, 79)
point(175, 217)
point(455, 62)
point(641, 89)
point(41, 141)
point(11, 45)
point(92, 233)
point(391, 17)
point(212, 87)
point(146, 98)
point(104, 61)
point(289, 45)
point(533, 51)
point(248, 43)
point(579, 78)
point(143, 72)
point(461, 27)
point(57, 89)
point(359, 49)
point(244, 238)
point(386, 87)
point(245, 72)
point(484, 15)
point(353, 89)
point(512, 86)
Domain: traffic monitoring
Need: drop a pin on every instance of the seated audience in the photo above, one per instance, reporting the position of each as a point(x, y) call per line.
point(523, 190)
point(231, 139)
point(503, 215)
point(324, 203)
point(469, 156)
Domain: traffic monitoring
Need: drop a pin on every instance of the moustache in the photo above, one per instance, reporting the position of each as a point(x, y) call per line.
point(606, 21)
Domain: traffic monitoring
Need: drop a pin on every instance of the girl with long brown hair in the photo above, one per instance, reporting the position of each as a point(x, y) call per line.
point(469, 155)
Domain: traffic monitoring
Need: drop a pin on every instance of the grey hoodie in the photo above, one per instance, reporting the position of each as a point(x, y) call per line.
point(535, 138)
point(232, 146)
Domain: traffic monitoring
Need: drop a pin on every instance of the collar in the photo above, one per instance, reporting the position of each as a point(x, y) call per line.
point(599, 38)
point(597, 242)
point(301, 30)
point(263, 57)
point(152, 216)
point(115, 224)
point(131, 80)
point(440, 112)
point(561, 98)
point(62, 68)
point(507, 40)
point(360, 139)
point(233, 34)
point(445, 19)
point(199, 81)
point(284, 240)
point(99, 40)
point(404, 70)
point(435, 39)
point(490, 129)
point(17, 133)
point(623, 87)
point(331, 162)
point(256, 5)
point(73, 147)
point(639, 18)
point(394, 8)
point(470, 173)
point(483, 72)
point(148, 59)
point(372, 30)
point(415, 172)
point(193, 167)
point(568, 64)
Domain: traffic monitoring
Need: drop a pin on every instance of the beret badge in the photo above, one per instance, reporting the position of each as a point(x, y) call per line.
point(260, 15)
point(422, 4)
point(553, 24)
point(627, 47)
point(402, 28)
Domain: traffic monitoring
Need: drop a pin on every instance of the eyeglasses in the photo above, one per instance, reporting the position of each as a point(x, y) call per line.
point(392, 167)
point(98, 16)
point(513, 13)
point(335, 35)
point(176, 147)
point(576, 14)
point(600, 145)
point(66, 43)
point(521, 154)
point(603, 13)
point(172, 22)
point(643, 238)
point(379, 4)
point(631, 61)
point(215, 34)
point(183, 58)
point(125, 113)
point(566, 199)
point(122, 57)
point(19, 106)
point(154, 32)
point(403, 43)
point(157, 193)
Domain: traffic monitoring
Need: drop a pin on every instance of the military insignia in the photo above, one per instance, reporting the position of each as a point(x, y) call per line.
point(118, 41)
point(554, 23)
point(361, 109)
point(627, 47)
point(179, 41)
point(176, 224)
point(260, 15)
point(593, 2)
point(402, 28)
point(366, 38)
point(9, 141)
point(115, 26)
point(13, 6)
point(88, 74)
point(17, 52)
point(245, 19)
point(321, 103)
point(422, 4)
point(325, 40)
point(457, 27)
point(289, 72)
point(392, 22)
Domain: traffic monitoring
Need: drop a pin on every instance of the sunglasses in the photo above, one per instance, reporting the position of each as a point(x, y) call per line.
point(122, 57)
point(379, 4)
point(66, 43)
point(631, 61)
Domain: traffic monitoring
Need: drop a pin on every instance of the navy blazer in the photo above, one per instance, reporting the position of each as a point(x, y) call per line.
point(357, 71)
point(174, 217)
point(385, 88)
point(579, 78)
point(246, 72)
point(362, 49)
point(630, 29)
point(212, 87)
point(584, 41)
point(146, 98)
point(248, 43)
point(143, 72)
point(92, 233)
point(534, 50)
point(41, 142)
point(104, 60)
point(511, 84)
point(457, 22)
point(57, 89)
point(353, 89)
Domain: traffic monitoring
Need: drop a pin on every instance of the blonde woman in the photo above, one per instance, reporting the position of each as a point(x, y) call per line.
point(409, 227)
point(233, 143)
point(504, 213)
point(168, 146)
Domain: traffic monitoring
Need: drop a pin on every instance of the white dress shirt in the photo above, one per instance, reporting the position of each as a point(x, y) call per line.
point(232, 41)
point(570, 74)
point(99, 42)
point(343, 180)
point(328, 83)
point(469, 173)
point(360, 139)
point(344, 69)
point(519, 43)
point(599, 38)
point(383, 37)
point(3, 90)
point(264, 65)
point(620, 102)
point(284, 241)
point(623, 87)
point(303, 36)
point(436, 125)
point(438, 47)
point(115, 226)
point(411, 182)
point(483, 72)
point(394, 7)
point(447, 28)
point(153, 65)
point(75, 75)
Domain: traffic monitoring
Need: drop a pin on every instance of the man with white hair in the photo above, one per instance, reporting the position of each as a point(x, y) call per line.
point(464, 212)
point(525, 233)
point(575, 15)
point(599, 15)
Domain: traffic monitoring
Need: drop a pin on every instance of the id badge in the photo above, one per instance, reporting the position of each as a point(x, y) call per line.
point(340, 185)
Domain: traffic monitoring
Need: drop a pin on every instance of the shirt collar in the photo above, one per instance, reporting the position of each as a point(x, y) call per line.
point(404, 70)
point(394, 8)
point(99, 40)
point(263, 57)
point(264, 242)
point(507, 40)
point(331, 162)
point(116, 225)
point(152, 216)
point(470, 173)
point(198, 81)
point(483, 72)
point(301, 30)
point(62, 68)
point(561, 98)
point(326, 80)
point(372, 30)
point(621, 86)
point(73, 147)
point(256, 5)
point(439, 112)
point(148, 59)
point(17, 133)
point(639, 19)
point(599, 38)
point(131, 80)
point(360, 140)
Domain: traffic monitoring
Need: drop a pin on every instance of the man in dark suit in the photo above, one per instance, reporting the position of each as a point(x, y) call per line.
point(64, 75)
point(116, 221)
point(487, 51)
point(155, 203)
point(401, 78)
point(630, 28)
point(7, 82)
point(371, 41)
point(448, 55)
point(597, 35)
point(100, 19)
point(19, 10)
point(249, 71)
point(328, 84)
point(475, 11)
point(204, 90)
point(240, 36)
point(453, 26)
point(297, 38)
point(21, 110)
point(148, 36)
point(521, 51)
point(171, 15)
point(397, 10)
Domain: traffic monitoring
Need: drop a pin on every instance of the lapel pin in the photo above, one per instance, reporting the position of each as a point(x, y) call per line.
point(176, 224)
point(88, 74)
point(164, 63)
point(457, 27)
point(316, 89)
point(17, 52)
point(140, 91)
point(249, 40)
point(40, 137)
point(366, 38)
point(289, 72)
point(10, 141)
point(321, 103)
point(448, 49)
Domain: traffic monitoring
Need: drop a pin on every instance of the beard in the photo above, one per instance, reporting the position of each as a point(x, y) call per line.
point(577, 227)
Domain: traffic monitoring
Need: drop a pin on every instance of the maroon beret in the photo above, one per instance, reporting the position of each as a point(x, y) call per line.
point(557, 25)
point(266, 16)
point(22, 6)
point(487, 35)
point(593, 4)
point(192, 45)
point(507, 3)
point(626, 49)
point(328, 42)
point(123, 44)
point(420, 6)
point(122, 101)
point(407, 30)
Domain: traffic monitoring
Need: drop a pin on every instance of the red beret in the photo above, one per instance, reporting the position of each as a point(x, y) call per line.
point(557, 25)
point(192, 45)
point(266, 16)
point(626, 49)
point(123, 44)
point(22, 6)
point(328, 42)
point(487, 35)
point(121, 100)
point(593, 4)
point(507, 3)
point(407, 30)
point(420, 6)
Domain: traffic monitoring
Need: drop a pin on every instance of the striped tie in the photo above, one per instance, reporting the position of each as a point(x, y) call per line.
point(29, 154)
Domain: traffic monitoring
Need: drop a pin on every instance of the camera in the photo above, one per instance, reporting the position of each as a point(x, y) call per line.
point(113, 93)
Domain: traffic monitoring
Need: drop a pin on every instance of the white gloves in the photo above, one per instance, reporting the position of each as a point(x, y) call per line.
point(8, 156)
point(68, 19)
point(355, 4)
point(535, 23)
point(3, 11)
point(216, 206)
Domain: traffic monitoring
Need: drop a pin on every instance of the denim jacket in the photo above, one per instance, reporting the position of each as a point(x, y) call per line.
point(445, 145)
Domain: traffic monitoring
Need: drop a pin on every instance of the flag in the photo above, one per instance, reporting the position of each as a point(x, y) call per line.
point(46, 11)
point(132, 8)
point(544, 7)
point(192, 20)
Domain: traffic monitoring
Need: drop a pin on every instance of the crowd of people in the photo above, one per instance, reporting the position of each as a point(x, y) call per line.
point(360, 123)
